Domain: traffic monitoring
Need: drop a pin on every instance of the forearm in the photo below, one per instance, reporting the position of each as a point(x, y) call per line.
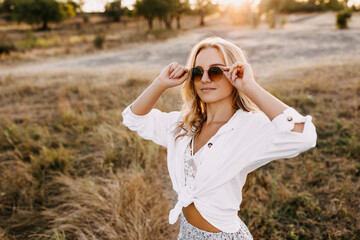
point(147, 99)
point(267, 103)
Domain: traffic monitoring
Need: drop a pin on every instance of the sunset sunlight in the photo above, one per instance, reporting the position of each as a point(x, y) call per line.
point(234, 2)
point(116, 119)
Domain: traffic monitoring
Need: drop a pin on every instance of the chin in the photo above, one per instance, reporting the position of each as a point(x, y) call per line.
point(209, 99)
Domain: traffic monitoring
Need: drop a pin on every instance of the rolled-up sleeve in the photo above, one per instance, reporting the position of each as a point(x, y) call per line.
point(275, 140)
point(152, 126)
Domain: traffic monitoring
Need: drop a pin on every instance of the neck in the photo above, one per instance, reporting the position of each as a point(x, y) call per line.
point(219, 112)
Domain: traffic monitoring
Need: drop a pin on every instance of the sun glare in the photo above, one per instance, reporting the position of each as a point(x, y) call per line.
point(237, 3)
point(234, 2)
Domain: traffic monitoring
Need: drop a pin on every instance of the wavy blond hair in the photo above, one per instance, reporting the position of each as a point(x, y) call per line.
point(193, 109)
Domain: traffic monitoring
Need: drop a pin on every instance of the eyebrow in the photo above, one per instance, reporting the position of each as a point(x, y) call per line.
point(213, 65)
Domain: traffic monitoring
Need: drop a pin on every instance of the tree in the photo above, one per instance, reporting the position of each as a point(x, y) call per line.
point(114, 10)
point(164, 10)
point(272, 7)
point(148, 9)
point(170, 9)
point(205, 7)
point(181, 7)
point(7, 6)
point(77, 6)
point(42, 11)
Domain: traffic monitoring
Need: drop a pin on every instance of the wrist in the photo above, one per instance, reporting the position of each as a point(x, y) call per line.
point(252, 89)
point(158, 84)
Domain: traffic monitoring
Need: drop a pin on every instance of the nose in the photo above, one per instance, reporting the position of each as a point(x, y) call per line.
point(205, 77)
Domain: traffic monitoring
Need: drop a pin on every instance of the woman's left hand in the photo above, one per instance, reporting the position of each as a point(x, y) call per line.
point(240, 75)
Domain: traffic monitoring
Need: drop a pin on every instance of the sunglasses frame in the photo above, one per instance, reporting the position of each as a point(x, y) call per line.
point(202, 73)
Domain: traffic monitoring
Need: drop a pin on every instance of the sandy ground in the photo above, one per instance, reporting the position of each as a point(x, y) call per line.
point(305, 40)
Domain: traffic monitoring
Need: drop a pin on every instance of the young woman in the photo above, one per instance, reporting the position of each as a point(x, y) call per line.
point(228, 127)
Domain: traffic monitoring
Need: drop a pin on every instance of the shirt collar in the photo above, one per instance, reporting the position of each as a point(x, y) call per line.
point(231, 123)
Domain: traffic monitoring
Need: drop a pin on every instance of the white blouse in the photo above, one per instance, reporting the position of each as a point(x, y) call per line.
point(191, 164)
point(246, 142)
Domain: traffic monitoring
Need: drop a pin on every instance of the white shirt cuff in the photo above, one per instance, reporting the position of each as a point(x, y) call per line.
point(287, 119)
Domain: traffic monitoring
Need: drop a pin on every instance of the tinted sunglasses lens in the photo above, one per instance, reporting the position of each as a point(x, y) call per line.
point(215, 73)
point(196, 74)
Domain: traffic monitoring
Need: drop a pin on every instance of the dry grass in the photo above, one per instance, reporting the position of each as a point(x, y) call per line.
point(71, 170)
point(74, 38)
point(315, 195)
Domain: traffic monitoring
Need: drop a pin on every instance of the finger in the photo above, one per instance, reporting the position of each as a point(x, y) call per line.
point(180, 73)
point(176, 73)
point(234, 74)
point(178, 69)
point(231, 69)
point(225, 68)
point(241, 72)
point(172, 66)
point(184, 77)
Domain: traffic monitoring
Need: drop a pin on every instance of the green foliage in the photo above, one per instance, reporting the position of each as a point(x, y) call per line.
point(205, 7)
point(7, 6)
point(165, 10)
point(76, 6)
point(59, 235)
point(342, 18)
point(149, 9)
point(50, 159)
point(291, 6)
point(6, 48)
point(269, 18)
point(334, 5)
point(42, 11)
point(31, 41)
point(114, 10)
point(99, 40)
point(85, 17)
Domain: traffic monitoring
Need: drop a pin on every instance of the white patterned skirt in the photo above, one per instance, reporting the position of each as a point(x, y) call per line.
point(190, 232)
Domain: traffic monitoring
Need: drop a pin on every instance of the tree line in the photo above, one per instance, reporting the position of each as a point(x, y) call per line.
point(167, 11)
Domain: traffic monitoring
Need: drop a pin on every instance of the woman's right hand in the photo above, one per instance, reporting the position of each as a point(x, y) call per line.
point(173, 75)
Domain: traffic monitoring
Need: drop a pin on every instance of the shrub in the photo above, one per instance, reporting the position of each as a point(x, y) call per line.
point(99, 40)
point(342, 18)
point(6, 48)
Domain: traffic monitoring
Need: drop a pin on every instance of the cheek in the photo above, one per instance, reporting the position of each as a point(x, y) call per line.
point(197, 87)
point(226, 87)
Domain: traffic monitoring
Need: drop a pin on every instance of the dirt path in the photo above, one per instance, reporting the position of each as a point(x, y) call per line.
point(305, 40)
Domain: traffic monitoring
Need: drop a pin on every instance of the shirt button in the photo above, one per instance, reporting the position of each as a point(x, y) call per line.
point(289, 118)
point(209, 145)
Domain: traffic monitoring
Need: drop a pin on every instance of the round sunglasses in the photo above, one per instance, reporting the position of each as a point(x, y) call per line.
point(214, 73)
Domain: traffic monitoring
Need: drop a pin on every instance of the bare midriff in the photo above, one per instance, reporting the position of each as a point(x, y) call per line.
point(193, 216)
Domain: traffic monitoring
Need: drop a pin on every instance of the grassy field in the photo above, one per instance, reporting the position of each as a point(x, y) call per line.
point(75, 38)
point(70, 170)
point(68, 163)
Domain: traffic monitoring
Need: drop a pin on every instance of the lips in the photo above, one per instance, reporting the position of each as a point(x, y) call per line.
point(206, 89)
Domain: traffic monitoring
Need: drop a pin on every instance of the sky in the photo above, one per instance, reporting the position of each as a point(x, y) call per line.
point(98, 5)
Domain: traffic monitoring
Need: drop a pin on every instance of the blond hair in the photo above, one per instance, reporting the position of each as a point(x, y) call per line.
point(193, 109)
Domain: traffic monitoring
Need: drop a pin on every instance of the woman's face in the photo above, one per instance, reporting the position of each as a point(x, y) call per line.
point(220, 89)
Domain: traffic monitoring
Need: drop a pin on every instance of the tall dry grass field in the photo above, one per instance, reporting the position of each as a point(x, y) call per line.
point(71, 170)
